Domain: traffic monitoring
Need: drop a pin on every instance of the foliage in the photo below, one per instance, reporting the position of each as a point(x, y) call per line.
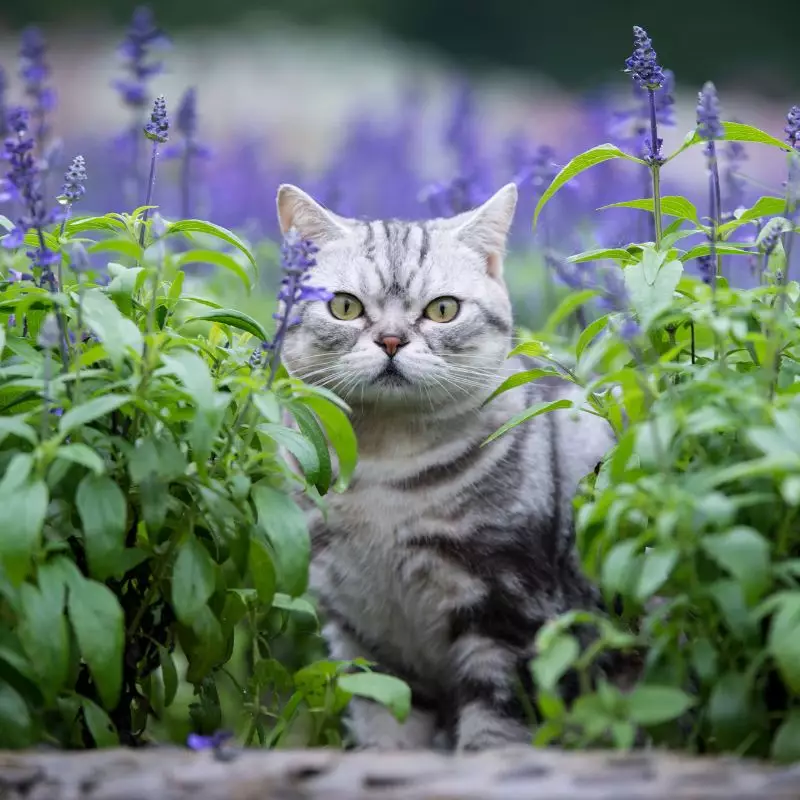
point(690, 524)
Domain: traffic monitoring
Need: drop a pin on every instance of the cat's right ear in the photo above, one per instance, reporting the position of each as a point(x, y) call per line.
point(296, 209)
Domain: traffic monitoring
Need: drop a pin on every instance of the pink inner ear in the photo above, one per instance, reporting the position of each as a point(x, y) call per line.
point(494, 266)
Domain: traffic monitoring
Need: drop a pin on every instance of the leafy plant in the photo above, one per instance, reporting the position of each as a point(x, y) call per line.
point(691, 520)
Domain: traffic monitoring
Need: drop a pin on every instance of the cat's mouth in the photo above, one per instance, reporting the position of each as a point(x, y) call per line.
point(391, 375)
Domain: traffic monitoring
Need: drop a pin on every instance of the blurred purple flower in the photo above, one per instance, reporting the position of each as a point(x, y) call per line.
point(709, 126)
point(157, 130)
point(707, 267)
point(197, 741)
point(297, 260)
point(3, 112)
point(734, 156)
point(34, 72)
point(142, 36)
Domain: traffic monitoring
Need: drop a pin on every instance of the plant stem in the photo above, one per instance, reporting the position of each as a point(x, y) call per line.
point(655, 168)
point(186, 183)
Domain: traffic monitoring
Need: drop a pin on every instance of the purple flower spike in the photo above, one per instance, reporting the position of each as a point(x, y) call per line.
point(157, 130)
point(792, 128)
point(34, 72)
point(74, 178)
point(143, 35)
point(709, 126)
point(643, 64)
point(197, 741)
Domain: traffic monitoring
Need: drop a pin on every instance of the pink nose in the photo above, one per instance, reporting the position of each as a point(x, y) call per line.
point(391, 344)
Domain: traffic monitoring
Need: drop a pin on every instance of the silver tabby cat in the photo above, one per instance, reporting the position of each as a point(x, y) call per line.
point(444, 557)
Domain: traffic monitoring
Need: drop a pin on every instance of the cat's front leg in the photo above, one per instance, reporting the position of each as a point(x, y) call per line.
point(487, 709)
point(371, 725)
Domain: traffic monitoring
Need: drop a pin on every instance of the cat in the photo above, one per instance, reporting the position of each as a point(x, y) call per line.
point(444, 556)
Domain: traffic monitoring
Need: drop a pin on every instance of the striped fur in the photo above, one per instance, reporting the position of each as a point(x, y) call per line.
point(444, 557)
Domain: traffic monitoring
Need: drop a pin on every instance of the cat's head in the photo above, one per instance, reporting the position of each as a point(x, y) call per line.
point(420, 314)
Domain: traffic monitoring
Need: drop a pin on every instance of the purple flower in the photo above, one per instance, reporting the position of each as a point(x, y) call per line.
point(709, 126)
point(3, 90)
point(23, 180)
point(49, 334)
point(792, 128)
point(157, 130)
point(707, 267)
point(643, 64)
point(297, 259)
point(734, 156)
point(34, 72)
point(74, 178)
point(197, 741)
point(142, 36)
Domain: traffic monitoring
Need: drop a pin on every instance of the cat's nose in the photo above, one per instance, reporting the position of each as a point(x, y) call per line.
point(390, 344)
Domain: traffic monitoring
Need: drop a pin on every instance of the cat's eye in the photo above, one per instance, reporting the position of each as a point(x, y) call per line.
point(442, 309)
point(345, 306)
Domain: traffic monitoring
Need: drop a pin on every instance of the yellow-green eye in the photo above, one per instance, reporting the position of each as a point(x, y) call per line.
point(442, 309)
point(345, 306)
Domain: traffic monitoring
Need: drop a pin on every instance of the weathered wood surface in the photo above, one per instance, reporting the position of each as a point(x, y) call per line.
point(513, 774)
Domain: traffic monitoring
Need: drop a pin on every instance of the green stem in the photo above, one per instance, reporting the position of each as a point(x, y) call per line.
point(655, 170)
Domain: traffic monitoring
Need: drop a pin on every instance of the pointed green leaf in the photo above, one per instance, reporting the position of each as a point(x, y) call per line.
point(91, 410)
point(597, 155)
point(236, 319)
point(103, 511)
point(169, 675)
point(24, 508)
point(82, 454)
point(390, 692)
point(218, 259)
point(340, 434)
point(589, 333)
point(262, 571)
point(529, 413)
point(99, 724)
point(285, 527)
point(604, 253)
point(199, 226)
point(193, 580)
point(119, 335)
point(521, 378)
point(671, 205)
point(763, 207)
point(99, 626)
point(653, 705)
point(571, 302)
point(734, 132)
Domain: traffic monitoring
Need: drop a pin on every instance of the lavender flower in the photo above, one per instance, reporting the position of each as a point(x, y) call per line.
point(34, 72)
point(734, 156)
point(189, 149)
point(3, 90)
point(157, 130)
point(142, 36)
point(709, 128)
point(197, 741)
point(297, 259)
point(792, 128)
point(74, 178)
point(707, 267)
point(643, 64)
point(23, 181)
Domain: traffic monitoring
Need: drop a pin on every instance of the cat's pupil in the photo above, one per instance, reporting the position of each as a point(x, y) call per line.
point(441, 309)
point(346, 306)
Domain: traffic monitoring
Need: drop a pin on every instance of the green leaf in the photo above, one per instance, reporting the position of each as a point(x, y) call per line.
point(589, 333)
point(387, 690)
point(99, 625)
point(730, 710)
point(81, 454)
point(340, 434)
point(744, 553)
point(91, 410)
point(218, 259)
point(671, 205)
point(786, 744)
point(294, 605)
point(734, 132)
point(16, 426)
point(284, 524)
point(529, 413)
point(719, 247)
point(310, 428)
point(566, 307)
point(119, 335)
point(651, 284)
point(199, 226)
point(99, 724)
point(521, 378)
point(262, 571)
point(193, 372)
point(656, 567)
point(784, 640)
point(297, 445)
point(103, 511)
point(763, 207)
point(236, 319)
point(597, 155)
point(653, 705)
point(618, 571)
point(16, 724)
point(605, 253)
point(193, 580)
point(553, 661)
point(533, 348)
point(24, 508)
point(42, 631)
point(169, 675)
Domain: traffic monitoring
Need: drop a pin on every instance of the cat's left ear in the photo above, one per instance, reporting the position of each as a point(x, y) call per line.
point(296, 209)
point(486, 228)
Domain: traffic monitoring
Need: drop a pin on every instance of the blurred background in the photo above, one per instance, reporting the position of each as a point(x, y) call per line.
point(412, 108)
